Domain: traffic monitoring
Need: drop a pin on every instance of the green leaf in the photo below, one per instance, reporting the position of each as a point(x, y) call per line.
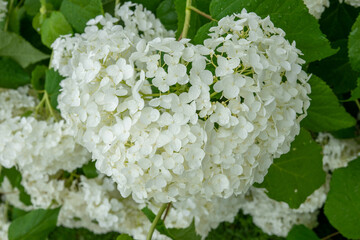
point(89, 170)
point(12, 75)
point(53, 27)
point(124, 237)
point(167, 14)
point(202, 33)
point(188, 233)
point(35, 225)
point(52, 86)
point(185, 233)
point(342, 206)
point(38, 77)
point(300, 232)
point(32, 7)
point(109, 6)
point(79, 12)
point(291, 16)
point(355, 93)
point(14, 177)
point(14, 46)
point(297, 174)
point(15, 18)
point(336, 20)
point(336, 70)
point(325, 112)
point(194, 19)
point(160, 226)
point(354, 46)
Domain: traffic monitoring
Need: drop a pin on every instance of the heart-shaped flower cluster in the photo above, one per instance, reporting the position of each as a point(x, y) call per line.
point(167, 119)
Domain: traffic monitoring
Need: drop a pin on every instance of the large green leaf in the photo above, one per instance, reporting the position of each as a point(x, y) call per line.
point(167, 14)
point(354, 45)
point(292, 16)
point(355, 93)
point(188, 233)
point(14, 46)
point(35, 225)
point(52, 86)
point(53, 27)
point(14, 177)
point(325, 112)
point(297, 174)
point(300, 232)
point(195, 23)
point(336, 70)
point(342, 206)
point(12, 75)
point(79, 12)
point(336, 20)
point(38, 77)
point(124, 237)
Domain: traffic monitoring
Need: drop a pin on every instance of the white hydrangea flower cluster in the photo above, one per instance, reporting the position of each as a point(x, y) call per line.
point(32, 145)
point(4, 223)
point(3, 9)
point(277, 218)
point(206, 214)
point(163, 125)
point(354, 3)
point(94, 204)
point(337, 153)
point(317, 7)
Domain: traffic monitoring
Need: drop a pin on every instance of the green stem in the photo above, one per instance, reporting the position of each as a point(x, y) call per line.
point(201, 13)
point(357, 104)
point(156, 220)
point(187, 20)
point(117, 2)
point(11, 3)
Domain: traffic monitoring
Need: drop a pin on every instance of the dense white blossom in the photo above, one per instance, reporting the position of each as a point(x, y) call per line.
point(354, 3)
point(277, 218)
point(317, 7)
point(164, 126)
point(337, 152)
point(35, 145)
point(3, 9)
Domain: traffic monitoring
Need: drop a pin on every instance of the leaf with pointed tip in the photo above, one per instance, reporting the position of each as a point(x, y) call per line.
point(297, 174)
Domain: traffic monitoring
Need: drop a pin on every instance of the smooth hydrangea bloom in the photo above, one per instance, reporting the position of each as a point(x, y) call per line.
point(317, 7)
point(168, 120)
point(206, 214)
point(337, 153)
point(277, 218)
point(3, 9)
point(35, 145)
point(354, 3)
point(94, 204)
point(4, 222)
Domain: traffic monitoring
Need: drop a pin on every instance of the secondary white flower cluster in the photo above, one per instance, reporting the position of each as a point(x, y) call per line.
point(337, 152)
point(317, 7)
point(354, 3)
point(4, 223)
point(3, 9)
point(32, 145)
point(169, 120)
point(277, 218)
